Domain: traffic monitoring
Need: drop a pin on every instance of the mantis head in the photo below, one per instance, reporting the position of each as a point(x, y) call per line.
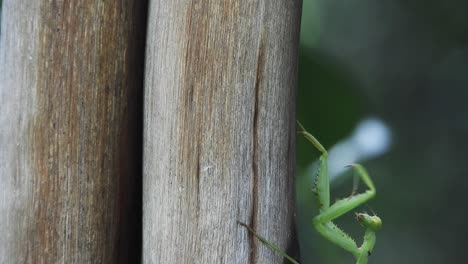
point(372, 222)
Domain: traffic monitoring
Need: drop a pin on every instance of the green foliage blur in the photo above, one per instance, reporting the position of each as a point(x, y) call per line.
point(405, 62)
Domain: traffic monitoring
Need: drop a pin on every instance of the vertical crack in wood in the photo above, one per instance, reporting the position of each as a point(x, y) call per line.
point(255, 155)
point(198, 184)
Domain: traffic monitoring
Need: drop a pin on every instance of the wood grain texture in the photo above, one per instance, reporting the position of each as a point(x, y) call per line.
point(219, 133)
point(70, 82)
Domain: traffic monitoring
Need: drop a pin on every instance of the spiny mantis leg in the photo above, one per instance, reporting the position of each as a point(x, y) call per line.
point(323, 222)
point(324, 226)
point(343, 206)
point(322, 181)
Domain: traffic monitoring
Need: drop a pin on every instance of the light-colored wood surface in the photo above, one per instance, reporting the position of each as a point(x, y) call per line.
point(219, 129)
point(70, 79)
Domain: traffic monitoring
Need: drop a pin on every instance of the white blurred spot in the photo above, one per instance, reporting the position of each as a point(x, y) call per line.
point(371, 138)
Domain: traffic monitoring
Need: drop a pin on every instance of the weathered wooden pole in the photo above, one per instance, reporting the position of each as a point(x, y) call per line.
point(70, 82)
point(219, 133)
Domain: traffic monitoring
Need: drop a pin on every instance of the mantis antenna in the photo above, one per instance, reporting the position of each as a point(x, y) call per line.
point(327, 213)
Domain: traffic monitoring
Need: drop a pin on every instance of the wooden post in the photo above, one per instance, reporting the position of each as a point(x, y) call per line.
point(219, 133)
point(70, 83)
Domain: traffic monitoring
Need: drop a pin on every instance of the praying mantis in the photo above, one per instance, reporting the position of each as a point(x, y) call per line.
point(327, 213)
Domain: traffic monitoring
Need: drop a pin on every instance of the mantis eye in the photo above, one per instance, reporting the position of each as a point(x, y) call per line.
point(370, 221)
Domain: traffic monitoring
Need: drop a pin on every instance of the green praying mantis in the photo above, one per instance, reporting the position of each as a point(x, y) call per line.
point(327, 213)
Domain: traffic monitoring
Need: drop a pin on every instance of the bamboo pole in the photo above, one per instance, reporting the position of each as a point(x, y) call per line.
point(70, 85)
point(219, 133)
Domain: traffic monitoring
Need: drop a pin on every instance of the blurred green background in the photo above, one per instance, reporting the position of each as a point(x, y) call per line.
point(405, 62)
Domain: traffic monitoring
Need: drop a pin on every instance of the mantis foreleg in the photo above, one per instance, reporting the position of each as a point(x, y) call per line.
point(323, 221)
